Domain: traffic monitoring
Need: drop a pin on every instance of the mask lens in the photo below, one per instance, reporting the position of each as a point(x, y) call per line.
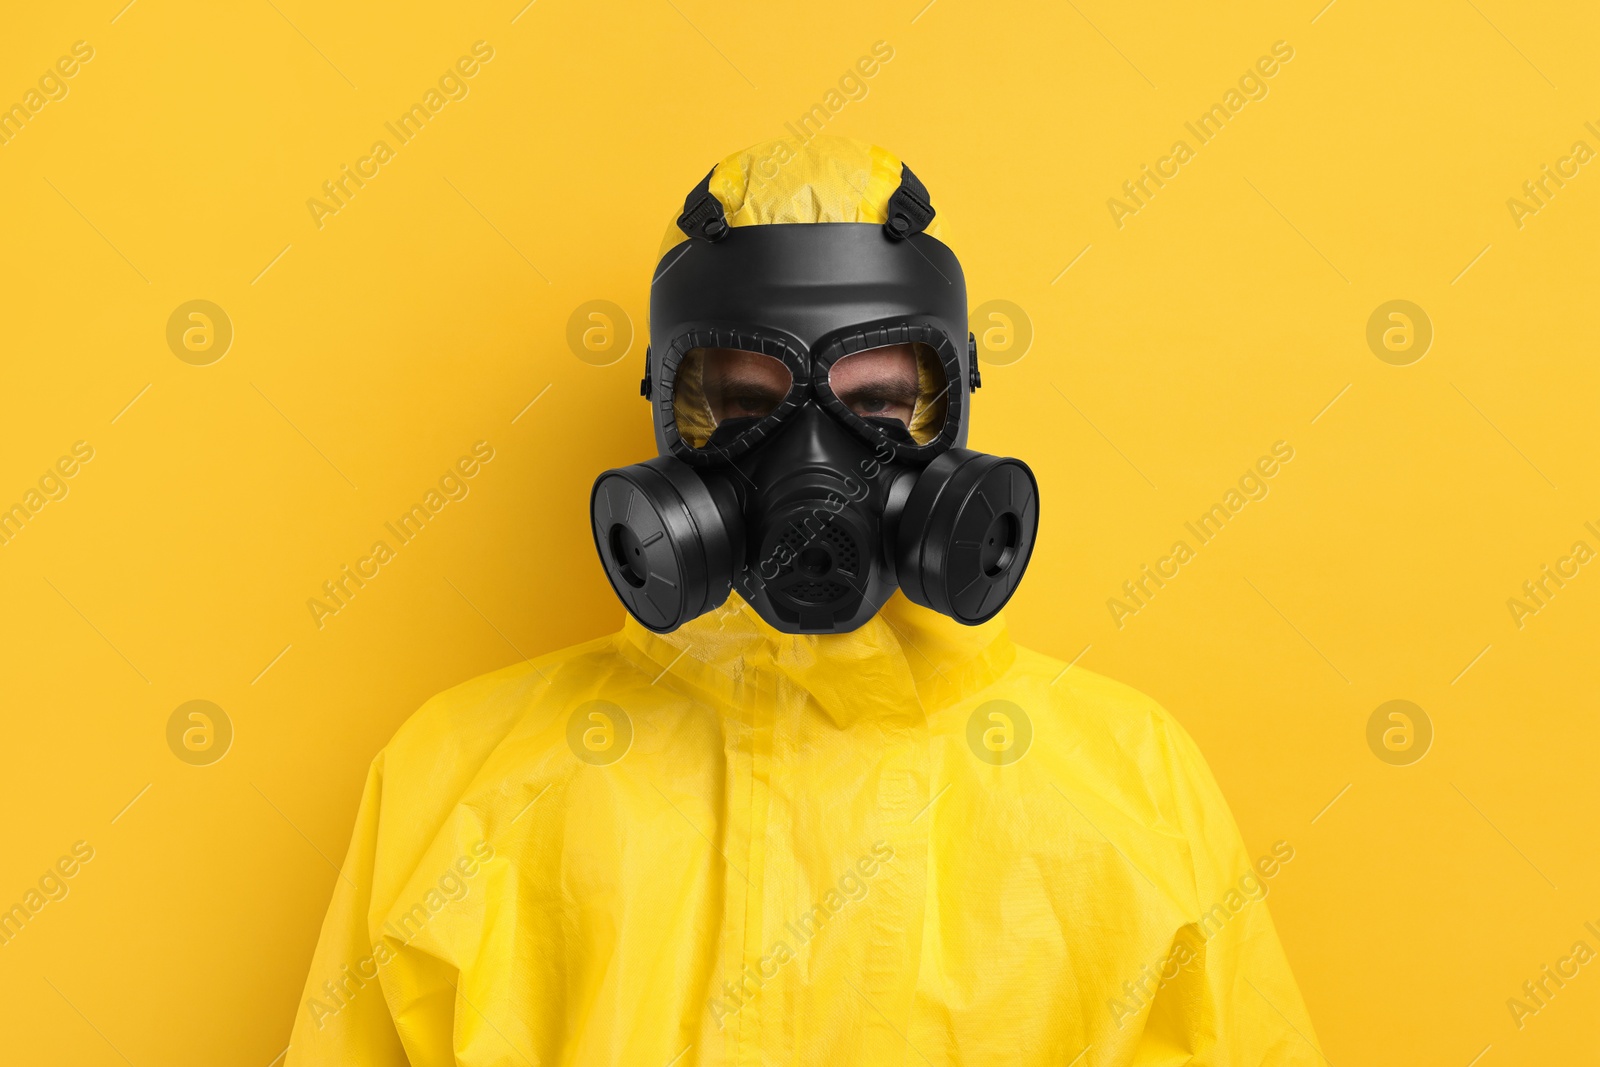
point(727, 390)
point(904, 382)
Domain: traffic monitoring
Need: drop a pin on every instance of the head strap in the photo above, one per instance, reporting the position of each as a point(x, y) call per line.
point(702, 213)
point(909, 209)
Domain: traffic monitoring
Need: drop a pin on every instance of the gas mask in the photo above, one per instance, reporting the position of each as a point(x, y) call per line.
point(811, 385)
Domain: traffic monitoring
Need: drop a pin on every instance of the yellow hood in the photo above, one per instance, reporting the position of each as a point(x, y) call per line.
point(824, 179)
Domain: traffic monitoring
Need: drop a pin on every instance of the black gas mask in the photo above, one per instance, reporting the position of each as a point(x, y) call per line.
point(811, 384)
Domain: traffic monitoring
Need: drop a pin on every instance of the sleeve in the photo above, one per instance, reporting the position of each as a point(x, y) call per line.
point(1231, 999)
point(343, 1018)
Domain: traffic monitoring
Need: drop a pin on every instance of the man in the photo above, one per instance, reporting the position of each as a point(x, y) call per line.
point(789, 814)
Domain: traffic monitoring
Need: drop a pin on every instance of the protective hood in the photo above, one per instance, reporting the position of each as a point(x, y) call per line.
point(729, 845)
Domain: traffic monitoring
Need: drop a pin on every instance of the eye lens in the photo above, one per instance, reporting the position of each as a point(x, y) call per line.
point(715, 386)
point(904, 382)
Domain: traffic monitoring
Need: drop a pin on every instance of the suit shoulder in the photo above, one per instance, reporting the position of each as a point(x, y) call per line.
point(1112, 732)
point(464, 723)
point(1094, 701)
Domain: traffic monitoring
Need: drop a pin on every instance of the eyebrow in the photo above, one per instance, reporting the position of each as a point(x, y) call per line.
point(887, 384)
point(737, 380)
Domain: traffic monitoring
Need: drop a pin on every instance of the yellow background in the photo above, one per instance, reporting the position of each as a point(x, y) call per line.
point(429, 312)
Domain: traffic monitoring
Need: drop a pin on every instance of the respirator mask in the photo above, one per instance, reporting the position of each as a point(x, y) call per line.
point(811, 385)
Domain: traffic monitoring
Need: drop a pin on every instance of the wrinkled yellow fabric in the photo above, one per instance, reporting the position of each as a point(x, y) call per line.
point(824, 179)
point(800, 859)
point(691, 411)
point(927, 417)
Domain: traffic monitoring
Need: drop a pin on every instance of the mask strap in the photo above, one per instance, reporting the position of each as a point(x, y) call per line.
point(702, 213)
point(909, 209)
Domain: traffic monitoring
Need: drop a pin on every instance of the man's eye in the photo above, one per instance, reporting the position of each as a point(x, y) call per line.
point(751, 403)
point(887, 402)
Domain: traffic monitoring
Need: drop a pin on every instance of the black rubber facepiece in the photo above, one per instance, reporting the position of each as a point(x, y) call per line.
point(775, 478)
point(815, 510)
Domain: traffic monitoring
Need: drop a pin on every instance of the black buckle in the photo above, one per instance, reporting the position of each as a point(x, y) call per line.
point(909, 209)
point(702, 213)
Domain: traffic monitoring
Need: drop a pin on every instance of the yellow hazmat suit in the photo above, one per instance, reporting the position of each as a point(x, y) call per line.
point(911, 844)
